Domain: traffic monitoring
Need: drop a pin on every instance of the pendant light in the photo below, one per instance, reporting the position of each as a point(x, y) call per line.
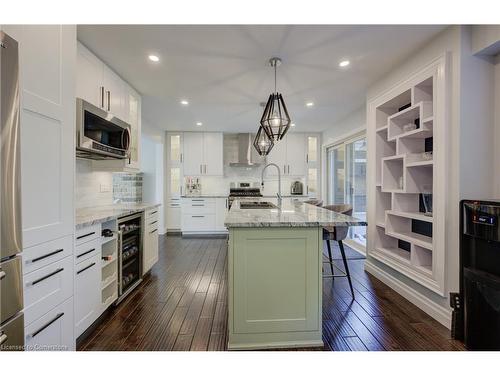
point(275, 120)
point(262, 143)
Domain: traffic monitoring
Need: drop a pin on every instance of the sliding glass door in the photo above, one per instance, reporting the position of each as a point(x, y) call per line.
point(346, 182)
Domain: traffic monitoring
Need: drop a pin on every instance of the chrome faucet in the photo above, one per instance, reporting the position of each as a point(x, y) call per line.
point(278, 194)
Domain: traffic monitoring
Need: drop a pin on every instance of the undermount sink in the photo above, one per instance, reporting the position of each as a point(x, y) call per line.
point(261, 205)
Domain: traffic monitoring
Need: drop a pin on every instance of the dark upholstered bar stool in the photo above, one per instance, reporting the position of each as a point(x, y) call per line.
point(338, 234)
point(314, 202)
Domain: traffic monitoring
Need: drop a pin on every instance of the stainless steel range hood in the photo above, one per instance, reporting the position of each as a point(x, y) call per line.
point(239, 151)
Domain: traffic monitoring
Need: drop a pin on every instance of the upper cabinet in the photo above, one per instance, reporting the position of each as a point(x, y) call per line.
point(47, 131)
point(290, 155)
point(134, 119)
point(101, 86)
point(203, 154)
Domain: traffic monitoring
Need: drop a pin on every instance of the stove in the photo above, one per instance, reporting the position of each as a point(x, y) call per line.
point(243, 190)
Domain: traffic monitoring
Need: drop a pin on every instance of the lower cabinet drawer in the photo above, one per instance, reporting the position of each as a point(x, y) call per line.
point(198, 222)
point(87, 293)
point(87, 250)
point(46, 288)
point(46, 253)
point(87, 233)
point(52, 331)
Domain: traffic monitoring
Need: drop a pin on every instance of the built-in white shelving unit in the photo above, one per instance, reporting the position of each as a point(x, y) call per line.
point(406, 131)
point(109, 268)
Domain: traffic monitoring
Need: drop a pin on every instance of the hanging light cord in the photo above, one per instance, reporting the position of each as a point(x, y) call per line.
point(275, 63)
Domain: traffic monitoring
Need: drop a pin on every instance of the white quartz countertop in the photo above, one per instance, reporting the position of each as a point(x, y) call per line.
point(293, 213)
point(100, 214)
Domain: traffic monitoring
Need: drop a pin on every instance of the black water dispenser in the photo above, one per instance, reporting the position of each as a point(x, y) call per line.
point(480, 274)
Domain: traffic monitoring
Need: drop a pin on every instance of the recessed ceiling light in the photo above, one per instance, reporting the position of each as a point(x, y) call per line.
point(309, 104)
point(344, 63)
point(292, 124)
point(199, 124)
point(154, 58)
point(184, 102)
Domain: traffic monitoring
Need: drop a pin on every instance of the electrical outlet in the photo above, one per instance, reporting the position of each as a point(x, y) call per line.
point(105, 188)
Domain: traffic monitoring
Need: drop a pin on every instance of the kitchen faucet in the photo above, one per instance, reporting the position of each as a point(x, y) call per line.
point(279, 181)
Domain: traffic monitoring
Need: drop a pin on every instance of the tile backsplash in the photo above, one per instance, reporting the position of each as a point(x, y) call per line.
point(100, 188)
point(127, 187)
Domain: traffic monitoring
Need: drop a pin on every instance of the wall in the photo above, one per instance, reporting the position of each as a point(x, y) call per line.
point(88, 185)
point(350, 125)
point(497, 125)
point(470, 150)
point(101, 188)
point(152, 142)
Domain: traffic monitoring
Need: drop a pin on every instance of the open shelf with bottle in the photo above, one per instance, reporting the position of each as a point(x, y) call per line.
point(407, 234)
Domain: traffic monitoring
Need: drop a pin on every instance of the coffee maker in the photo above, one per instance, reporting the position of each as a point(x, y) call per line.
point(297, 188)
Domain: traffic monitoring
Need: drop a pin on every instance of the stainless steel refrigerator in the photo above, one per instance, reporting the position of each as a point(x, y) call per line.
point(11, 287)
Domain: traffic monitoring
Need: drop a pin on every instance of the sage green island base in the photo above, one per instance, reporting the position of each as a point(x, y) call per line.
point(274, 287)
point(275, 274)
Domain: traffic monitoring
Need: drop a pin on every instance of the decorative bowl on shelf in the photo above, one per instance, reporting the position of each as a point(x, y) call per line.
point(409, 127)
point(427, 155)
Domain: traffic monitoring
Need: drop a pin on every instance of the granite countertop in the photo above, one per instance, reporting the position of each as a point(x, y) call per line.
point(100, 214)
point(292, 214)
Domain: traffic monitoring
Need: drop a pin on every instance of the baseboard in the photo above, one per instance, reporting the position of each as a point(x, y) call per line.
point(438, 312)
point(356, 246)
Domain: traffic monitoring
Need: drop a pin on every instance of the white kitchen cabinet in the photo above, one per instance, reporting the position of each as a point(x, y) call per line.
point(133, 117)
point(296, 154)
point(87, 293)
point(89, 77)
point(100, 85)
point(47, 62)
point(115, 93)
point(174, 214)
point(193, 154)
point(213, 154)
point(221, 209)
point(150, 245)
point(52, 331)
point(203, 154)
point(203, 215)
point(290, 155)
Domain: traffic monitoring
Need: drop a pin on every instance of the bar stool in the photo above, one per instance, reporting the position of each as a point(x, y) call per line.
point(314, 202)
point(338, 234)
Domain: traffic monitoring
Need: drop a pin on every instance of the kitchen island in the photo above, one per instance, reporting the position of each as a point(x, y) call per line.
point(275, 273)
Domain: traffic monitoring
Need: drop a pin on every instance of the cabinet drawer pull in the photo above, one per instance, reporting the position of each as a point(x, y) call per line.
point(85, 253)
point(86, 268)
point(102, 96)
point(85, 235)
point(153, 231)
point(46, 276)
point(198, 205)
point(46, 255)
point(197, 216)
point(109, 100)
point(153, 222)
point(198, 200)
point(152, 213)
point(58, 316)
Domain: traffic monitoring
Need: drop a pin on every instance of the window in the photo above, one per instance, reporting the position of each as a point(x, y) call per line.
point(346, 181)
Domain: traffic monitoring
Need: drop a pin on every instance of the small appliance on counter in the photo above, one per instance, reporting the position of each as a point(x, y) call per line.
point(297, 188)
point(193, 185)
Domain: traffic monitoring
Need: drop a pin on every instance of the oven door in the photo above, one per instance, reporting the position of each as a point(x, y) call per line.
point(100, 133)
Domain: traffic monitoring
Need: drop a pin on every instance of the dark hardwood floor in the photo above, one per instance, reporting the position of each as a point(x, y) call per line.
point(182, 305)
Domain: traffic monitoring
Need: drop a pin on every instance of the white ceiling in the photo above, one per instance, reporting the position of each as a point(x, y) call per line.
point(223, 70)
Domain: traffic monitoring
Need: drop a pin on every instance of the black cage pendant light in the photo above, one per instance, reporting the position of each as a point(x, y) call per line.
point(275, 120)
point(262, 143)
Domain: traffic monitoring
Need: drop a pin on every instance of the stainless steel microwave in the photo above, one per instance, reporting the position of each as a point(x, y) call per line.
point(100, 134)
